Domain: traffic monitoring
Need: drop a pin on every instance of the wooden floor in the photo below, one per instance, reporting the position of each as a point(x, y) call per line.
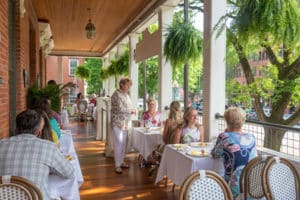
point(100, 180)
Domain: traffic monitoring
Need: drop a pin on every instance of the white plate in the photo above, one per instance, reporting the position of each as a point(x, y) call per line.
point(197, 154)
point(199, 144)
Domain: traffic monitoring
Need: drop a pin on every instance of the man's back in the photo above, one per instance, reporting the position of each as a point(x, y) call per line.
point(27, 156)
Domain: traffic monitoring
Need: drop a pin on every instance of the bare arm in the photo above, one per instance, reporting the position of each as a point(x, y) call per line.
point(177, 135)
point(165, 133)
point(201, 129)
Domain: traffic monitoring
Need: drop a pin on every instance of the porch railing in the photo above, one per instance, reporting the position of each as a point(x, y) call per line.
point(290, 144)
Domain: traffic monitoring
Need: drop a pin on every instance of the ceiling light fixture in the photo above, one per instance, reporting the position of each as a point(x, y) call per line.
point(90, 28)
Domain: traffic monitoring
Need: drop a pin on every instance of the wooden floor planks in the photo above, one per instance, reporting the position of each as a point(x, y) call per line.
point(100, 180)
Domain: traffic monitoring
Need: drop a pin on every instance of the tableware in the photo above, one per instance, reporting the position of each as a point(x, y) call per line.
point(197, 153)
point(68, 157)
point(199, 144)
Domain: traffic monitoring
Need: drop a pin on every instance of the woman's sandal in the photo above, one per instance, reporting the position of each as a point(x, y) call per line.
point(124, 166)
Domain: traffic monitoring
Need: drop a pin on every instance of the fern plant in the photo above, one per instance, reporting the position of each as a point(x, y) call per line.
point(82, 72)
point(183, 44)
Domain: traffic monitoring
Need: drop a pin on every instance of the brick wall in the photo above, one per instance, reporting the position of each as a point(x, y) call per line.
point(27, 53)
point(27, 58)
point(4, 69)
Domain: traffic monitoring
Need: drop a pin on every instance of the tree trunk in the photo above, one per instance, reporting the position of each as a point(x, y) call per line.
point(273, 138)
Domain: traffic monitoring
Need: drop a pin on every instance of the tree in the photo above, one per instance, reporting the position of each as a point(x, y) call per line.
point(94, 82)
point(183, 44)
point(151, 77)
point(272, 26)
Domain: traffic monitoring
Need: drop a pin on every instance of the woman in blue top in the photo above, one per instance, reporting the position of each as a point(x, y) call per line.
point(236, 147)
point(44, 105)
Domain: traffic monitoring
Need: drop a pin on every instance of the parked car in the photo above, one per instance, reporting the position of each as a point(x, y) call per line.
point(198, 106)
point(251, 114)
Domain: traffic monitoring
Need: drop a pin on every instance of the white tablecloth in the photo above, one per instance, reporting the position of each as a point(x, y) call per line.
point(64, 118)
point(68, 189)
point(144, 142)
point(177, 165)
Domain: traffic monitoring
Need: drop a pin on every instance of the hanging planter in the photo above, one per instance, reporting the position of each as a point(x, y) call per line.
point(82, 72)
point(104, 74)
point(183, 44)
point(122, 64)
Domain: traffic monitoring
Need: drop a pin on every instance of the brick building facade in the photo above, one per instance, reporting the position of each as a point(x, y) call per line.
point(67, 64)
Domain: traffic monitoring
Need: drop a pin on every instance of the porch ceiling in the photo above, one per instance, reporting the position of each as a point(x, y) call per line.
point(113, 20)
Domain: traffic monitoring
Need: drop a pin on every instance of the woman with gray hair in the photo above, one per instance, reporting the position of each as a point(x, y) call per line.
point(235, 146)
point(121, 111)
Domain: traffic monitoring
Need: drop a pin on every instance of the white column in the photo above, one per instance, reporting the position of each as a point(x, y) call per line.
point(59, 70)
point(165, 17)
point(111, 80)
point(133, 70)
point(105, 65)
point(214, 66)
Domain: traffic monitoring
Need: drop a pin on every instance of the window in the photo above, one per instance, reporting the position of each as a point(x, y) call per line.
point(73, 63)
point(72, 94)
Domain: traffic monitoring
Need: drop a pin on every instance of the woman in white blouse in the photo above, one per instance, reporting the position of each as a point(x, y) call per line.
point(121, 111)
point(191, 130)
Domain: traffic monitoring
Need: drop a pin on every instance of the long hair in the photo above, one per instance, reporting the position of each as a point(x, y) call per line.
point(44, 105)
point(186, 114)
point(175, 111)
point(46, 131)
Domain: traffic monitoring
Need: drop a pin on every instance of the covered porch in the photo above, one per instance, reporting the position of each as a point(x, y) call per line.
point(24, 61)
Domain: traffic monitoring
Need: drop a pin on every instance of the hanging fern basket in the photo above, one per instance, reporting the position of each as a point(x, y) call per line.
point(183, 44)
point(82, 72)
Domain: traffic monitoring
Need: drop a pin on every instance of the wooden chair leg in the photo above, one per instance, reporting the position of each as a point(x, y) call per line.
point(173, 187)
point(166, 182)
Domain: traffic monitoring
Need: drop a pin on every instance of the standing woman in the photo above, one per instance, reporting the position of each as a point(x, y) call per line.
point(121, 111)
point(172, 122)
point(235, 146)
point(191, 131)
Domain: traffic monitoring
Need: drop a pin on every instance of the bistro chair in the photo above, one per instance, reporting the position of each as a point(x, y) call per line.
point(82, 110)
point(205, 185)
point(18, 188)
point(251, 178)
point(281, 180)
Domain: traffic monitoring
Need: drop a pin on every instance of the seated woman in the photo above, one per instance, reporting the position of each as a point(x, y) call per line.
point(47, 133)
point(236, 147)
point(151, 115)
point(191, 130)
point(172, 122)
point(44, 105)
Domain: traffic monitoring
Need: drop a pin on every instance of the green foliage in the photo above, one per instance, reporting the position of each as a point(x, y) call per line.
point(54, 91)
point(82, 72)
point(119, 66)
point(151, 77)
point(237, 93)
point(94, 82)
point(183, 44)
point(277, 21)
point(122, 64)
point(153, 28)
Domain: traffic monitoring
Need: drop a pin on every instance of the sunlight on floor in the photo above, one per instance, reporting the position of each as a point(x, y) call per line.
point(102, 190)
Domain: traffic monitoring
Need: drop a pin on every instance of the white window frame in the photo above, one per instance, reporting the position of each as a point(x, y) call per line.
point(71, 67)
